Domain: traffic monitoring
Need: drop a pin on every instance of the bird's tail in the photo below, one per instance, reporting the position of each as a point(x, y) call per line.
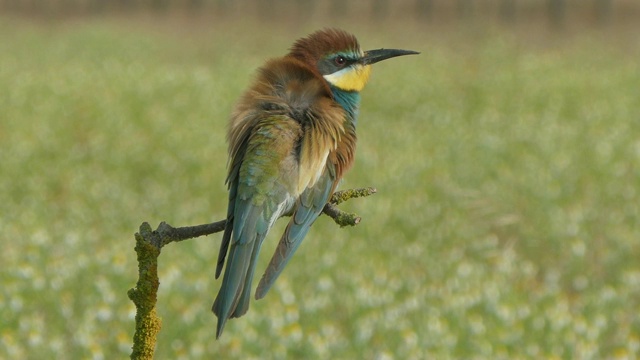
point(235, 291)
point(289, 243)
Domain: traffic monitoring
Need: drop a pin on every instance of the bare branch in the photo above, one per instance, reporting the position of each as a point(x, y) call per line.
point(169, 234)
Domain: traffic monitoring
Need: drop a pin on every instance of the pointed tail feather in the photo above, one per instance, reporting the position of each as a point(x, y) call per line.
point(228, 229)
point(233, 283)
point(236, 282)
point(224, 245)
point(243, 302)
point(289, 243)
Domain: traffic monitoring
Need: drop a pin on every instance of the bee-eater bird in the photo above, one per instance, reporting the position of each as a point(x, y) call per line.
point(291, 138)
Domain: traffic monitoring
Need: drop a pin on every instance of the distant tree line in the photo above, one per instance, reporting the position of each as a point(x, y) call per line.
point(507, 11)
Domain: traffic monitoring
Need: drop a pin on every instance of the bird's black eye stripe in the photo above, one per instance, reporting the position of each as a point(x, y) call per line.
point(335, 62)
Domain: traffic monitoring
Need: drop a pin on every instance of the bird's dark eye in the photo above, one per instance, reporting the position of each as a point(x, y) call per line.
point(340, 60)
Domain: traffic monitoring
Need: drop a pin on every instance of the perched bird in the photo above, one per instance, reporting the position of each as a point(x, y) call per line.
point(291, 138)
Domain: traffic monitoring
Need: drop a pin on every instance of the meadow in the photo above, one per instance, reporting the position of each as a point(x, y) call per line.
point(506, 223)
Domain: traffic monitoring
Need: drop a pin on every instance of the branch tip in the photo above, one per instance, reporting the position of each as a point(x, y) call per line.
point(341, 196)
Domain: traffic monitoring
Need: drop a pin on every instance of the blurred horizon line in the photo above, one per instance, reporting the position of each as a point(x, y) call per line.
point(555, 14)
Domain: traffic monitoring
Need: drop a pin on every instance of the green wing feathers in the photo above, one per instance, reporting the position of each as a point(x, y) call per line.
point(257, 197)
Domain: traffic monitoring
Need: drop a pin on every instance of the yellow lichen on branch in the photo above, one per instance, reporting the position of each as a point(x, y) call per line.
point(145, 295)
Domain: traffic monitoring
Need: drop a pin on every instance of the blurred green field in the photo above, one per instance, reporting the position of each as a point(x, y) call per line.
point(507, 223)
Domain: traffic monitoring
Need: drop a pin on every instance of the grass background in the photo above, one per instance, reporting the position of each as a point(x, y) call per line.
point(506, 223)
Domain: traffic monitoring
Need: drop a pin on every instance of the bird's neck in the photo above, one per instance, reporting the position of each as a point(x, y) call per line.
point(350, 102)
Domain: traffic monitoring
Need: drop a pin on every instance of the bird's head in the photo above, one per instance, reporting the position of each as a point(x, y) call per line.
point(336, 55)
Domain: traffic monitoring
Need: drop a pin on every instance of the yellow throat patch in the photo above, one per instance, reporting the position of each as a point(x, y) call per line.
point(353, 78)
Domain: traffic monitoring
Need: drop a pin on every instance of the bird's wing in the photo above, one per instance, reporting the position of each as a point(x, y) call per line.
point(308, 208)
point(258, 196)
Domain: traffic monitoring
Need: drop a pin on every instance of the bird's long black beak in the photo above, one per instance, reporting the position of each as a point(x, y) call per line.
point(373, 56)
